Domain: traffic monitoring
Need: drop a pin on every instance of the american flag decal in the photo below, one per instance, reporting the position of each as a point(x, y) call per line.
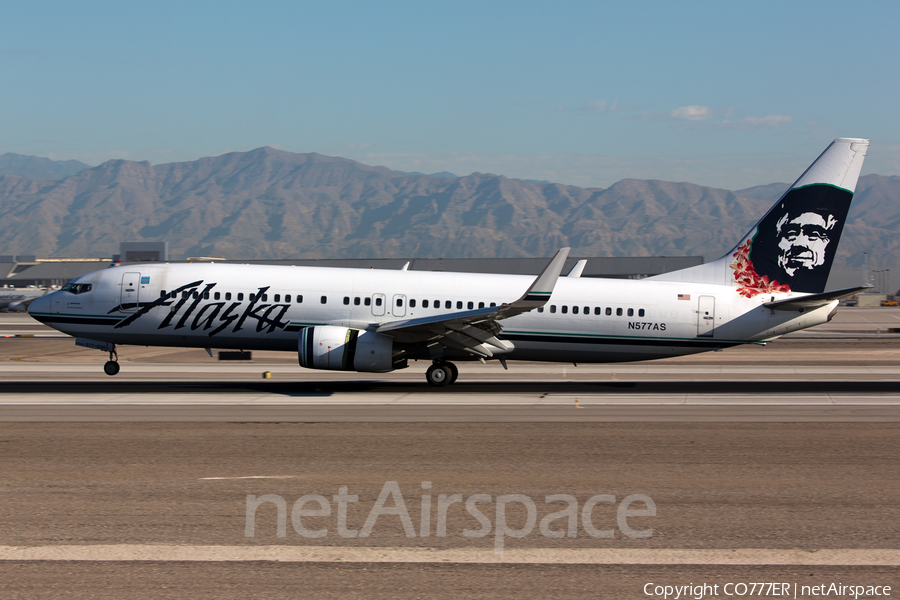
point(684, 296)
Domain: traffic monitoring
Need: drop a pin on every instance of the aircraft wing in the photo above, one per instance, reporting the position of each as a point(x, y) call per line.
point(813, 300)
point(475, 331)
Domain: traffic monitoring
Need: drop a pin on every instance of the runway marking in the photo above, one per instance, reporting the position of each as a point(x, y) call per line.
point(572, 556)
point(252, 477)
point(586, 400)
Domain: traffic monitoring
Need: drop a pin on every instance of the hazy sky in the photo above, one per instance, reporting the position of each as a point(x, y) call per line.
point(585, 93)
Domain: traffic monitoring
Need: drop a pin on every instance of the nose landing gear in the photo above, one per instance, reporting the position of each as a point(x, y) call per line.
point(112, 365)
point(441, 373)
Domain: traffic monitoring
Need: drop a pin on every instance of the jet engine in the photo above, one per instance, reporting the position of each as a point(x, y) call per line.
point(344, 349)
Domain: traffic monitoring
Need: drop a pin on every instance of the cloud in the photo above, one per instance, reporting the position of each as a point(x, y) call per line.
point(600, 106)
point(718, 118)
point(694, 112)
point(767, 122)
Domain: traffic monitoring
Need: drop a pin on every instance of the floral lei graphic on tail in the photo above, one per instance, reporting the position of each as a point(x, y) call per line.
point(748, 279)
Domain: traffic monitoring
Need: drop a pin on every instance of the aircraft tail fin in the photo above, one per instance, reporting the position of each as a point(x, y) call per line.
point(792, 248)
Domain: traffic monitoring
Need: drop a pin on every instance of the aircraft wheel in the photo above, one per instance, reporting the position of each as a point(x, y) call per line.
point(111, 367)
point(454, 372)
point(438, 375)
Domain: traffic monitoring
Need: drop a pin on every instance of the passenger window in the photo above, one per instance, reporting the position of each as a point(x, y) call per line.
point(574, 310)
point(323, 300)
point(196, 295)
point(447, 304)
point(552, 308)
point(265, 297)
point(217, 296)
point(299, 298)
point(565, 309)
point(641, 312)
point(424, 303)
point(587, 310)
point(540, 309)
point(277, 298)
point(470, 305)
point(377, 301)
point(618, 312)
point(356, 301)
point(437, 303)
point(493, 304)
point(241, 296)
point(630, 312)
point(228, 295)
point(412, 303)
point(162, 293)
point(608, 311)
point(346, 300)
point(459, 304)
point(399, 302)
point(481, 305)
point(367, 301)
point(596, 310)
point(287, 298)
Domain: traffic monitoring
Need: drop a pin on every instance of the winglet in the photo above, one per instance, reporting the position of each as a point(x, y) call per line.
point(543, 286)
point(455, 326)
point(578, 269)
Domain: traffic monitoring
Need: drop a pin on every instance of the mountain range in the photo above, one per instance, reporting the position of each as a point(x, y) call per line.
point(268, 203)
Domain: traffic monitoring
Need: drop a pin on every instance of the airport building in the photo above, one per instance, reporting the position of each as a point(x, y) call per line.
point(47, 272)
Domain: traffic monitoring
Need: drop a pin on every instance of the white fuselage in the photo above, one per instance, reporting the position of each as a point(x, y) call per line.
point(265, 307)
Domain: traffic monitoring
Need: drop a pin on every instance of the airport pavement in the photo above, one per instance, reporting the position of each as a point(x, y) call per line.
point(778, 462)
point(159, 510)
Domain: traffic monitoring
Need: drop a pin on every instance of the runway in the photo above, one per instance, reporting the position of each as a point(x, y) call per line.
point(775, 463)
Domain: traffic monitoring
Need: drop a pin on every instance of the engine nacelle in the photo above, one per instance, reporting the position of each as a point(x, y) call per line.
point(344, 349)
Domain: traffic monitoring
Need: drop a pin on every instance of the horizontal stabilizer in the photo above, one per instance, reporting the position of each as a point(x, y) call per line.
point(813, 300)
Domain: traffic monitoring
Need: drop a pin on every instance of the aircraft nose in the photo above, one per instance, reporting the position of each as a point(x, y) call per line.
point(41, 305)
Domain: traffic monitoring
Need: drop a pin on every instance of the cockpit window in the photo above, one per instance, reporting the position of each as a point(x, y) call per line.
point(77, 288)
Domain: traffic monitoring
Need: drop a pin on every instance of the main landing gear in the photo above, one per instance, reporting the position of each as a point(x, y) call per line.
point(112, 365)
point(441, 373)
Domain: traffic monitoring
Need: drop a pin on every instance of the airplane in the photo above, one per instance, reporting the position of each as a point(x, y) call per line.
point(373, 320)
point(17, 299)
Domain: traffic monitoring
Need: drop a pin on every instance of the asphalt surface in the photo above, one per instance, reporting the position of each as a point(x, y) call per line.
point(787, 447)
point(716, 486)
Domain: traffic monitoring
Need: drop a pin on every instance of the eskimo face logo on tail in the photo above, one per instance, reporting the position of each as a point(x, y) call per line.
point(803, 240)
point(795, 243)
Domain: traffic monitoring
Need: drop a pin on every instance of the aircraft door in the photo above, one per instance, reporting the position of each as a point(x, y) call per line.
point(129, 296)
point(399, 308)
point(706, 316)
point(378, 304)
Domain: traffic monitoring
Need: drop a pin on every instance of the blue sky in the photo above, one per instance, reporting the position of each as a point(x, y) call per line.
point(583, 93)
